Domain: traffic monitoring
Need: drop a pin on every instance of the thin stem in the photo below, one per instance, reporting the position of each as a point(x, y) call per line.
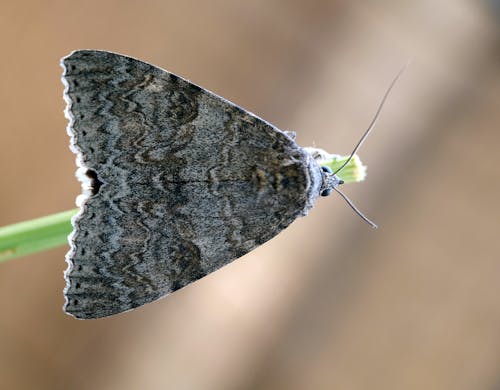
point(35, 235)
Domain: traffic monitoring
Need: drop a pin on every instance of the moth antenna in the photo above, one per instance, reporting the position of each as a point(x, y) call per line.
point(356, 209)
point(375, 118)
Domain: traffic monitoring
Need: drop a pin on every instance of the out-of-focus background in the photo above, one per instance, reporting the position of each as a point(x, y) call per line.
point(329, 303)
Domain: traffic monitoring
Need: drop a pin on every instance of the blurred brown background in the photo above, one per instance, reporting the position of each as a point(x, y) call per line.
point(329, 303)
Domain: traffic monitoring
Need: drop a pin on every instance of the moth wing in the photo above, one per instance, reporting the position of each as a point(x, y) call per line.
point(177, 182)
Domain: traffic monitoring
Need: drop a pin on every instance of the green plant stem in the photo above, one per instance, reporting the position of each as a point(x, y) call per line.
point(353, 172)
point(52, 231)
point(35, 235)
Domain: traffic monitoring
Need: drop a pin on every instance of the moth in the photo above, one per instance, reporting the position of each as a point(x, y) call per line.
point(177, 182)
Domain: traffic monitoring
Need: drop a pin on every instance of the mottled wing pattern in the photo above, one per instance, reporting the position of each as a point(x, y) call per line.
point(180, 182)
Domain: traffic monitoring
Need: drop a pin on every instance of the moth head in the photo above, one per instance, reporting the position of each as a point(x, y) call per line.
point(330, 181)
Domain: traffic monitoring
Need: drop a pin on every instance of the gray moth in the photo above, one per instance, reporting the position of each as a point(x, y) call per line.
point(177, 182)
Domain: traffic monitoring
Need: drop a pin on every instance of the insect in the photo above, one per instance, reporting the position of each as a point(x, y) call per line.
point(177, 182)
